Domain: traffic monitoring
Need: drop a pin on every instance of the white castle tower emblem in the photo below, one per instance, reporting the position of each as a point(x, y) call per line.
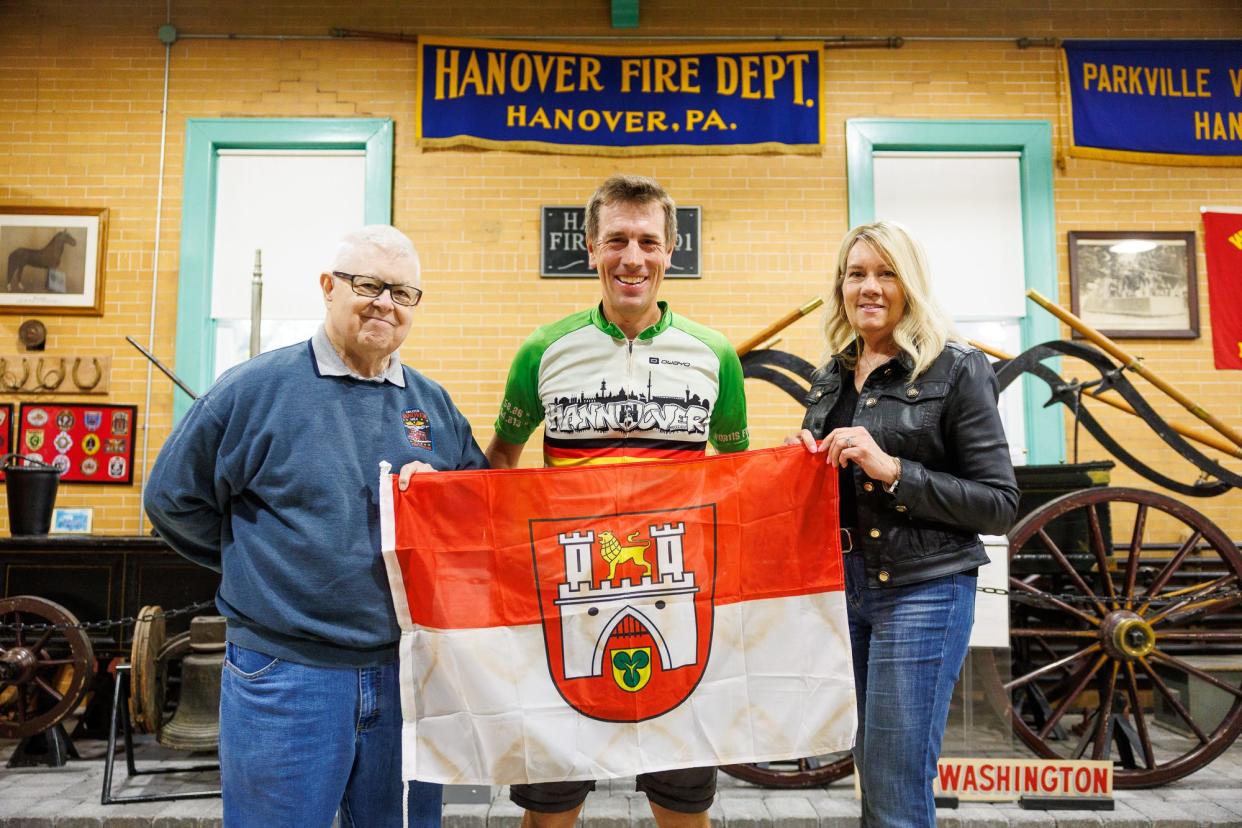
point(664, 606)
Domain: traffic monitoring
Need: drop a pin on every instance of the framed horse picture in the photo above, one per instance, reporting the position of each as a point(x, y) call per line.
point(53, 259)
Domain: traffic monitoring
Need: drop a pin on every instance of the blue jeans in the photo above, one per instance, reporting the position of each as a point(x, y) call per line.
point(908, 645)
point(299, 743)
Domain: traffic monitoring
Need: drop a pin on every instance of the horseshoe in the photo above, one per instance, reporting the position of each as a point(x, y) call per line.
point(82, 386)
point(53, 378)
point(9, 380)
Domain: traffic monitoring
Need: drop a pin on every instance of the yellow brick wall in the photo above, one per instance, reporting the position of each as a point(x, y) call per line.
point(81, 127)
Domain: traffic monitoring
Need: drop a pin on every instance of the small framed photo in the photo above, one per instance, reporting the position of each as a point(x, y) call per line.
point(71, 521)
point(53, 259)
point(1135, 285)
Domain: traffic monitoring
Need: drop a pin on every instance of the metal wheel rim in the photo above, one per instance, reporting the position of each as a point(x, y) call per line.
point(810, 772)
point(146, 698)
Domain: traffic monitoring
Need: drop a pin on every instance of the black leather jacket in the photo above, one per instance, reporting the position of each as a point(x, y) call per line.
point(957, 479)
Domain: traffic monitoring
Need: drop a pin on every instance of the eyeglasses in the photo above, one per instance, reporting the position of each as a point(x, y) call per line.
point(370, 287)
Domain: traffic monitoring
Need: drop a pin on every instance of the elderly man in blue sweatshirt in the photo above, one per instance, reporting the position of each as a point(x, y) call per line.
point(272, 480)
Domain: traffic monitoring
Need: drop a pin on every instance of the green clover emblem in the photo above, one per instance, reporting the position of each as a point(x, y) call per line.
point(629, 664)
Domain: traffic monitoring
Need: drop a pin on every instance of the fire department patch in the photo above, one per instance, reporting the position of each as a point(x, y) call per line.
point(417, 428)
point(626, 601)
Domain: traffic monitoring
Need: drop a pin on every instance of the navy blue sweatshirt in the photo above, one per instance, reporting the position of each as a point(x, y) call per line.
point(272, 479)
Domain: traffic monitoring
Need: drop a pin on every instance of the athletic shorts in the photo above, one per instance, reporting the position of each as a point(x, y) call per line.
point(686, 791)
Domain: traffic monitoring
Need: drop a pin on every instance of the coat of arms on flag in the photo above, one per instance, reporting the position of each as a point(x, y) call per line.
point(627, 610)
point(603, 621)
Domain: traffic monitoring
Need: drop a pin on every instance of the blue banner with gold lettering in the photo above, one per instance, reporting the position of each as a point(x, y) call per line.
point(1156, 101)
point(612, 100)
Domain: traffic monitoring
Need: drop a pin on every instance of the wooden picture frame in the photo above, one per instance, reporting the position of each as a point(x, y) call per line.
point(53, 259)
point(1135, 284)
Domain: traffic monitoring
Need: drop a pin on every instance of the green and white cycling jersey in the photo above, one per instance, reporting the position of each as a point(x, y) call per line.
point(607, 399)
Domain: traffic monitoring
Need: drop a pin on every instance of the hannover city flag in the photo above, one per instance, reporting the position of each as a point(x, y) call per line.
point(604, 621)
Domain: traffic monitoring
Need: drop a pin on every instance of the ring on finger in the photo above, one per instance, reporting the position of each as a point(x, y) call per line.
point(849, 442)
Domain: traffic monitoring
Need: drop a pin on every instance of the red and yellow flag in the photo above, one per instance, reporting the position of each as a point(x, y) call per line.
point(605, 621)
point(1222, 246)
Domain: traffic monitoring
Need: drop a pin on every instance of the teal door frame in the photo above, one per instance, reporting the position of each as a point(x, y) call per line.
point(1032, 140)
point(195, 355)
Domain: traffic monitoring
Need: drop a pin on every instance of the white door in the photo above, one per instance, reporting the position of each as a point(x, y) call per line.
point(294, 206)
point(966, 210)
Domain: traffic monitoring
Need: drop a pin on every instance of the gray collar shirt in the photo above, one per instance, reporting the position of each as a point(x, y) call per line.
point(330, 364)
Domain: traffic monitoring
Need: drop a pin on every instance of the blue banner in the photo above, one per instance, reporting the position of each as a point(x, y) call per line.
point(628, 100)
point(1177, 102)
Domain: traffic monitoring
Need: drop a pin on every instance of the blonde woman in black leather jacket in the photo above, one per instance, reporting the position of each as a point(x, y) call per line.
point(908, 415)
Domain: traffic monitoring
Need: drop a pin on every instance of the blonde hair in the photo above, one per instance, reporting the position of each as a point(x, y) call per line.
point(924, 327)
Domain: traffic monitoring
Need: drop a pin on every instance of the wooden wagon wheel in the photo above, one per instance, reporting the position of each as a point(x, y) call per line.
point(43, 672)
point(810, 772)
point(1098, 637)
point(146, 697)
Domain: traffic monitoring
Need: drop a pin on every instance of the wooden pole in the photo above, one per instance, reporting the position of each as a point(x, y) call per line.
point(1206, 438)
point(1132, 363)
point(778, 326)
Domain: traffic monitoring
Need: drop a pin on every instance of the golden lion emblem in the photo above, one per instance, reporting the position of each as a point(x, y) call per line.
point(614, 553)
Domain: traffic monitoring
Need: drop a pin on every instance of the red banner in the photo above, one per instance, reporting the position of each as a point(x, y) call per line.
point(7, 429)
point(1222, 245)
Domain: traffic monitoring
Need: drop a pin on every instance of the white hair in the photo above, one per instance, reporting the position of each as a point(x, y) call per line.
point(380, 238)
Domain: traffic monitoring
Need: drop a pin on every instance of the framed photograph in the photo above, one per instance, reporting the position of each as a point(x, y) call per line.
point(71, 521)
point(53, 259)
point(1135, 285)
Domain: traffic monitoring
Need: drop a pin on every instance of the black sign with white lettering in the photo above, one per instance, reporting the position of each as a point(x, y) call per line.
point(563, 246)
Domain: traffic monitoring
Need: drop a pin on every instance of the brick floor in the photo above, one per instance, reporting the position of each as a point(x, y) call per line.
point(69, 797)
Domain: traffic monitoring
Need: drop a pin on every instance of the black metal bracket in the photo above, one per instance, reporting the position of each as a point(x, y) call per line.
point(1113, 377)
point(120, 716)
point(51, 748)
point(762, 364)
